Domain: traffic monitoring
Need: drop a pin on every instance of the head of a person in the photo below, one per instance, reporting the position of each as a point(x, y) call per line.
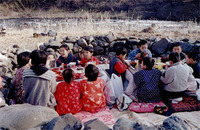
point(68, 75)
point(121, 53)
point(174, 57)
point(91, 72)
point(176, 47)
point(147, 63)
point(38, 58)
point(64, 50)
point(23, 59)
point(143, 45)
point(191, 57)
point(88, 52)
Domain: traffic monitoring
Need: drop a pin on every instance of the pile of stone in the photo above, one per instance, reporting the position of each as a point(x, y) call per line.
point(26, 116)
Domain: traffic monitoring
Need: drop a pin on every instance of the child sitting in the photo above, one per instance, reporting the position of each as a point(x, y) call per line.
point(23, 60)
point(140, 52)
point(92, 90)
point(176, 47)
point(65, 56)
point(88, 56)
point(176, 79)
point(39, 83)
point(117, 64)
point(147, 82)
point(191, 60)
point(68, 94)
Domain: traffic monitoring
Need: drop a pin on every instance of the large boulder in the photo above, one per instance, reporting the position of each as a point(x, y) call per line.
point(160, 47)
point(25, 116)
point(175, 123)
point(82, 42)
point(186, 47)
point(126, 124)
point(110, 37)
point(98, 50)
point(65, 122)
point(51, 33)
point(95, 124)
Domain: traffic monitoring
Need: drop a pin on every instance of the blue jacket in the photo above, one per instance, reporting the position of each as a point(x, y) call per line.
point(70, 58)
point(133, 53)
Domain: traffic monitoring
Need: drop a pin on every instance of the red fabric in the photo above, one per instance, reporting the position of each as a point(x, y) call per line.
point(84, 61)
point(144, 107)
point(68, 98)
point(120, 67)
point(92, 95)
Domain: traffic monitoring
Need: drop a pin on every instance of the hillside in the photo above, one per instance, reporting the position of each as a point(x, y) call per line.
point(175, 10)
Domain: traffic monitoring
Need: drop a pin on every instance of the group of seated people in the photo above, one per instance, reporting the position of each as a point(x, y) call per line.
point(34, 83)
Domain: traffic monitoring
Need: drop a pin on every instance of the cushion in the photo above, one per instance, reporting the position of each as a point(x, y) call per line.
point(187, 104)
point(104, 115)
point(144, 107)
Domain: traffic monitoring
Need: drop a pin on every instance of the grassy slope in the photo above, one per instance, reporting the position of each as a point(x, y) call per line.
point(123, 9)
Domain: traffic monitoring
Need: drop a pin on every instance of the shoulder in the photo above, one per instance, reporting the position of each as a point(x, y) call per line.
point(135, 50)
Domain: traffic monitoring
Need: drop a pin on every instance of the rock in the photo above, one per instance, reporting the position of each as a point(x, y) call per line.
point(2, 100)
point(175, 123)
point(71, 45)
point(147, 30)
point(110, 37)
point(98, 50)
point(95, 124)
point(50, 50)
point(76, 48)
point(94, 43)
point(25, 116)
point(82, 42)
point(88, 39)
point(102, 43)
point(132, 42)
point(65, 122)
point(20, 50)
point(55, 44)
point(11, 55)
point(132, 38)
point(117, 43)
point(3, 57)
point(51, 33)
point(42, 47)
point(124, 124)
point(186, 47)
point(160, 47)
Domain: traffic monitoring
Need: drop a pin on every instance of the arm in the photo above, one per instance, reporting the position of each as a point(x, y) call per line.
point(132, 55)
point(120, 67)
point(58, 62)
point(168, 76)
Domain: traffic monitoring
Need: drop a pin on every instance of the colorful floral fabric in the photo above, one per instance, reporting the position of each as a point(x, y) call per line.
point(17, 85)
point(92, 95)
point(68, 98)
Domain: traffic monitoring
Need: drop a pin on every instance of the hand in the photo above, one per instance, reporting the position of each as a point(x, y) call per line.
point(138, 55)
point(145, 54)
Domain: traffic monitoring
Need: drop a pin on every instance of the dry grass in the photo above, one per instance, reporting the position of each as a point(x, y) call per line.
point(82, 27)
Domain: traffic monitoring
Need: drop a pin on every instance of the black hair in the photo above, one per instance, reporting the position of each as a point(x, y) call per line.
point(23, 59)
point(68, 75)
point(175, 44)
point(174, 57)
point(65, 46)
point(149, 62)
point(91, 72)
point(89, 48)
point(38, 58)
point(192, 55)
point(121, 50)
point(142, 42)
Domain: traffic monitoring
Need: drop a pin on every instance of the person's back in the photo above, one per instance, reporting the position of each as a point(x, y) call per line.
point(92, 90)
point(147, 82)
point(176, 77)
point(38, 90)
point(39, 83)
point(68, 94)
